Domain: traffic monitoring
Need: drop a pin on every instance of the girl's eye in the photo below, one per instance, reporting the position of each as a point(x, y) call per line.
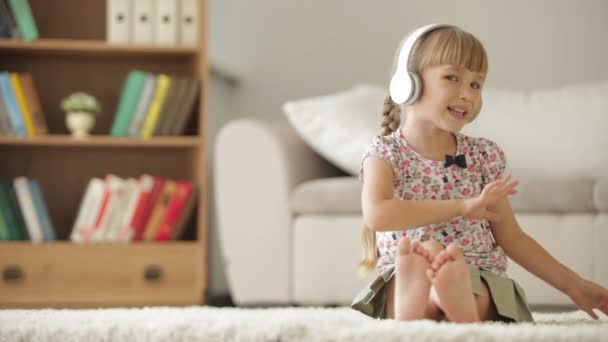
point(476, 85)
point(452, 78)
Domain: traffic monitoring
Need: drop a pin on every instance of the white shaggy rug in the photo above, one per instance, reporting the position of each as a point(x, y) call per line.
point(277, 324)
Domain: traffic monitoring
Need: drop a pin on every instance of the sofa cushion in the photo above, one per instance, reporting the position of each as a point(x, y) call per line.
point(558, 131)
point(329, 196)
point(342, 195)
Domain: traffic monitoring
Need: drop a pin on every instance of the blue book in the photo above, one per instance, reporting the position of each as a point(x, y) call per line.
point(10, 100)
point(41, 210)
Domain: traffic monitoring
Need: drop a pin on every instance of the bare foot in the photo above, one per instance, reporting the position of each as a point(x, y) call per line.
point(451, 279)
point(411, 285)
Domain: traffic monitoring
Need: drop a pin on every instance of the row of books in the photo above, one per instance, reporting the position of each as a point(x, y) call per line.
point(168, 22)
point(150, 208)
point(17, 21)
point(23, 211)
point(20, 109)
point(153, 105)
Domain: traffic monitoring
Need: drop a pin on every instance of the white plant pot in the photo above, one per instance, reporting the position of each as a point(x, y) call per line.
point(80, 123)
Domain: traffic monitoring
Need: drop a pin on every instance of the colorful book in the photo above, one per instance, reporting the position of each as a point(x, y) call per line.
point(11, 102)
point(125, 232)
point(175, 210)
point(131, 91)
point(142, 106)
point(25, 112)
point(24, 18)
point(7, 215)
point(15, 209)
point(14, 30)
point(112, 185)
point(41, 210)
point(5, 21)
point(88, 211)
point(32, 101)
point(159, 210)
point(186, 105)
point(167, 114)
point(4, 230)
point(162, 86)
point(26, 203)
point(5, 121)
point(143, 215)
point(119, 208)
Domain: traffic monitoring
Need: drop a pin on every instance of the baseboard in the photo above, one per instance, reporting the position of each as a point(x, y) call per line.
point(218, 299)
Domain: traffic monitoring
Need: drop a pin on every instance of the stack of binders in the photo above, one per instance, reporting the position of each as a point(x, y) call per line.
point(161, 22)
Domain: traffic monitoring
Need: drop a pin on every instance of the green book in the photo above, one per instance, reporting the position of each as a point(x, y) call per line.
point(6, 232)
point(24, 18)
point(15, 216)
point(131, 91)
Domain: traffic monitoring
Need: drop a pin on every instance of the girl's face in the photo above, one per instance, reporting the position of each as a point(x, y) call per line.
point(450, 96)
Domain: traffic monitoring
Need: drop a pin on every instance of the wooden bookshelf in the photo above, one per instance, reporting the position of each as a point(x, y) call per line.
point(72, 55)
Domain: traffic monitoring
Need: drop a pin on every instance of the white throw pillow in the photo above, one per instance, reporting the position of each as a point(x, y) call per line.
point(559, 131)
point(340, 127)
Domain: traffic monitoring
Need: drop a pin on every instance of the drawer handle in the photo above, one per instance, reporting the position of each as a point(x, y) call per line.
point(153, 273)
point(12, 274)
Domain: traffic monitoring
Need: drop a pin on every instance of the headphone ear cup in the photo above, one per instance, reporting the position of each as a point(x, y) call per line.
point(415, 88)
point(399, 88)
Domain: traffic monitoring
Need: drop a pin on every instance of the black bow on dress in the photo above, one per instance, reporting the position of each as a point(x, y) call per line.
point(459, 160)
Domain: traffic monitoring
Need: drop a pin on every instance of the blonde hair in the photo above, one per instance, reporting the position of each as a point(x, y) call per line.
point(447, 45)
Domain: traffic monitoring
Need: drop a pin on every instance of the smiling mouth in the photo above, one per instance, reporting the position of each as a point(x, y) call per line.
point(457, 112)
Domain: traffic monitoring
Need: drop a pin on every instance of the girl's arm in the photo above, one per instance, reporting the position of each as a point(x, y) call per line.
point(528, 253)
point(525, 251)
point(383, 212)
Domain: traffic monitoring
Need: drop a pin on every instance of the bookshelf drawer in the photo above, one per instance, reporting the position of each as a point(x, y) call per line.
point(71, 275)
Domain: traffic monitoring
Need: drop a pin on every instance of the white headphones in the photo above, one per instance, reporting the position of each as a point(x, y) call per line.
point(405, 84)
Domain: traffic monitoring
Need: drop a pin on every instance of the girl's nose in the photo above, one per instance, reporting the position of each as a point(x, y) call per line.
point(466, 93)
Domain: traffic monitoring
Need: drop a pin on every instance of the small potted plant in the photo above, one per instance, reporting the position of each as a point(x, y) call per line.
point(81, 110)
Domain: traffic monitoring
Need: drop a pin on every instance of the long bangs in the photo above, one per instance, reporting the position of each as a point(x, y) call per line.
point(451, 46)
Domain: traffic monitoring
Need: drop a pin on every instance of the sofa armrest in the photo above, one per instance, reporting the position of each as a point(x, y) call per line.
point(257, 165)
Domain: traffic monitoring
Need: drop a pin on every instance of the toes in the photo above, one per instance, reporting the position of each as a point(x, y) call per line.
point(454, 251)
point(404, 246)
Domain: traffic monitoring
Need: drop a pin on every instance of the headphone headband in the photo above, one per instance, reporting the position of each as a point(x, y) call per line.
point(406, 50)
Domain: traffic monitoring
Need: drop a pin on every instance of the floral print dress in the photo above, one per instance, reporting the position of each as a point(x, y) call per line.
point(417, 178)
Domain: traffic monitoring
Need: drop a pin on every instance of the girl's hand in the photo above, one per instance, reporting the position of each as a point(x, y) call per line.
point(588, 295)
point(480, 207)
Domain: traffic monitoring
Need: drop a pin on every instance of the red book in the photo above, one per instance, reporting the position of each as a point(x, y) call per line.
point(144, 188)
point(110, 185)
point(174, 210)
point(142, 214)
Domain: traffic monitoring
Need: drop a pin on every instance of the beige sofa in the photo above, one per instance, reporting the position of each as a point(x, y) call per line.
point(289, 220)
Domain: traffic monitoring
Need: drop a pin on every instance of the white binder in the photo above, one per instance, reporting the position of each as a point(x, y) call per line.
point(119, 21)
point(165, 20)
point(143, 21)
point(189, 22)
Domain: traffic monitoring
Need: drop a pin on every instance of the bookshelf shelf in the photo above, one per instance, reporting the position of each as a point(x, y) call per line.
point(92, 47)
point(101, 141)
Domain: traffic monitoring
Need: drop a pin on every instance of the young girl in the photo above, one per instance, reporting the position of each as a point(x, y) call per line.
point(438, 223)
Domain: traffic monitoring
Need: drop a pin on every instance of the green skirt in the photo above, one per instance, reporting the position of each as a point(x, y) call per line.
point(508, 296)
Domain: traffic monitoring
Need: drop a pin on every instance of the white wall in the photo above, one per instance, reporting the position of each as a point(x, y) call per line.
point(285, 50)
